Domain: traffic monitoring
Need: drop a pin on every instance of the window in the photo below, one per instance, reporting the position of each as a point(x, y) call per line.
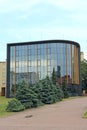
point(49, 50)
point(39, 62)
point(3, 81)
point(29, 52)
point(17, 53)
point(29, 63)
point(39, 51)
point(39, 75)
point(49, 68)
point(49, 73)
point(49, 62)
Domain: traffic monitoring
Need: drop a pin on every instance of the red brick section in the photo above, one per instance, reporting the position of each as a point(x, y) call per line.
point(66, 115)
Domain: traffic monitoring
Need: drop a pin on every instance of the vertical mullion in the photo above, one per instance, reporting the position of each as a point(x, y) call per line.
point(77, 67)
point(15, 71)
point(66, 64)
point(71, 65)
point(27, 64)
point(74, 64)
point(47, 57)
point(61, 63)
point(37, 59)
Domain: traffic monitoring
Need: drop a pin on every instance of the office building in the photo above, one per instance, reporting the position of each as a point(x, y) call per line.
point(32, 61)
point(2, 78)
point(82, 56)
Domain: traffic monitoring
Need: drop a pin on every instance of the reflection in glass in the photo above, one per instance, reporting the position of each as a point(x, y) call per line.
point(34, 62)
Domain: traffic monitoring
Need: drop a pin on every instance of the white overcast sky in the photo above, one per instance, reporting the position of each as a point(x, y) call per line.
point(31, 20)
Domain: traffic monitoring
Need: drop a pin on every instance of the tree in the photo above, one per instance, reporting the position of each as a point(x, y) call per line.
point(14, 105)
point(51, 93)
point(64, 89)
point(84, 74)
point(47, 91)
point(54, 77)
point(37, 88)
point(27, 96)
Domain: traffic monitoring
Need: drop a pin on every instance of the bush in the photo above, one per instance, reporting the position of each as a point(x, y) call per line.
point(14, 106)
point(27, 96)
point(51, 93)
point(59, 93)
point(64, 89)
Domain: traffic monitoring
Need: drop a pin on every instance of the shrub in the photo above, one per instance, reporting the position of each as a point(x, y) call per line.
point(64, 89)
point(27, 96)
point(14, 106)
point(51, 93)
point(59, 93)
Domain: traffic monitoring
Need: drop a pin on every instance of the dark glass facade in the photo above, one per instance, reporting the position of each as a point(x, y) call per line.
point(32, 61)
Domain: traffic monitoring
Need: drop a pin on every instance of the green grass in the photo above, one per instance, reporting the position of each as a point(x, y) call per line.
point(85, 115)
point(3, 105)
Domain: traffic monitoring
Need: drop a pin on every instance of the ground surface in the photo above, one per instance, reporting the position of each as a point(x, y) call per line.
point(66, 115)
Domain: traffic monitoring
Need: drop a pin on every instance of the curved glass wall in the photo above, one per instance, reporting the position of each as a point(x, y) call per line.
point(33, 62)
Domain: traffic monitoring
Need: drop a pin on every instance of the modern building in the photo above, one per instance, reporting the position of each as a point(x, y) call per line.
point(32, 61)
point(2, 78)
point(82, 56)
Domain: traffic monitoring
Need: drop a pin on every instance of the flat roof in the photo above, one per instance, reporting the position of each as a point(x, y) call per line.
point(43, 42)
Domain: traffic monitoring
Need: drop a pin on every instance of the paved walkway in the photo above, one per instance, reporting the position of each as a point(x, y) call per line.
point(65, 115)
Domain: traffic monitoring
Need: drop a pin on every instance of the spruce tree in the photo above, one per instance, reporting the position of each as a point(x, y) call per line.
point(54, 77)
point(47, 91)
point(64, 89)
point(27, 96)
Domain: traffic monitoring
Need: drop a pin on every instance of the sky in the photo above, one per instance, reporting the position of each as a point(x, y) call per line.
point(33, 20)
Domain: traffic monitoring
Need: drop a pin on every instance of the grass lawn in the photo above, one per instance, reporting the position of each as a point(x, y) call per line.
point(3, 105)
point(85, 115)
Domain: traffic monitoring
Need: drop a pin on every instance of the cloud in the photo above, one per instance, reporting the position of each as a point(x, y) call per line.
point(30, 20)
point(9, 6)
point(48, 33)
point(69, 4)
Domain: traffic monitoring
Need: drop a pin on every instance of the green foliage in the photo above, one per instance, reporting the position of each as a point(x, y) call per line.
point(50, 93)
point(27, 96)
point(37, 88)
point(42, 92)
point(15, 106)
point(85, 115)
point(59, 93)
point(3, 106)
point(64, 89)
point(54, 77)
point(47, 91)
point(84, 74)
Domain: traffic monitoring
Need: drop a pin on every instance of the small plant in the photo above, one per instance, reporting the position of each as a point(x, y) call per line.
point(85, 115)
point(14, 106)
point(54, 77)
point(64, 89)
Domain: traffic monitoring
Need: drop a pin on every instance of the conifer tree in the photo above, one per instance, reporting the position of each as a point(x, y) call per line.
point(64, 89)
point(54, 77)
point(27, 96)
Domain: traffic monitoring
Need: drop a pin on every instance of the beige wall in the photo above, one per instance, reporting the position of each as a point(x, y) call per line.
point(2, 78)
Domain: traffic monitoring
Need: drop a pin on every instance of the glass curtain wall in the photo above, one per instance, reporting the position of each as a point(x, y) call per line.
point(34, 61)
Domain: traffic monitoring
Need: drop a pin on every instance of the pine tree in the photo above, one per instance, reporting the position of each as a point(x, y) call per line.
point(46, 91)
point(27, 96)
point(54, 77)
point(64, 89)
